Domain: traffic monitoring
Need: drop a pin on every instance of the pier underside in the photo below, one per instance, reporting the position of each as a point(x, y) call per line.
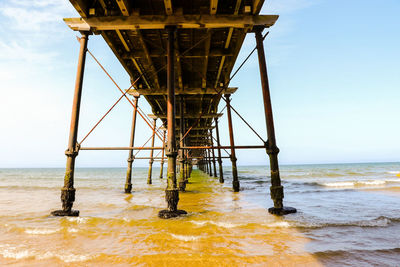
point(179, 56)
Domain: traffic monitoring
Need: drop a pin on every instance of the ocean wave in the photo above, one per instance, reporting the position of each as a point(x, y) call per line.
point(343, 254)
point(359, 183)
point(20, 252)
point(219, 224)
point(77, 219)
point(186, 237)
point(393, 172)
point(324, 174)
point(381, 221)
point(67, 258)
point(282, 224)
point(38, 231)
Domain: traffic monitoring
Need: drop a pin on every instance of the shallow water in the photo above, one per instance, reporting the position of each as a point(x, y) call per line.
point(348, 214)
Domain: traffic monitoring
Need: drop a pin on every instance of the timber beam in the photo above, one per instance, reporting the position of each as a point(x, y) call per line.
point(185, 91)
point(195, 53)
point(159, 22)
point(124, 7)
point(192, 116)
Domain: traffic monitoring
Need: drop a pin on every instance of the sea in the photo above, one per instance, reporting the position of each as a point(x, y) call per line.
point(348, 215)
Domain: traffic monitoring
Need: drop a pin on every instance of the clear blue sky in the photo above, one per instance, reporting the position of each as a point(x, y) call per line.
point(333, 67)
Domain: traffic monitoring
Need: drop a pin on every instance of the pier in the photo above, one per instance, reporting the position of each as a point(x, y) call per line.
point(180, 57)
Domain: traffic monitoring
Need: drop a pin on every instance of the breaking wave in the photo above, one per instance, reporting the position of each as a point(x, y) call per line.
point(18, 253)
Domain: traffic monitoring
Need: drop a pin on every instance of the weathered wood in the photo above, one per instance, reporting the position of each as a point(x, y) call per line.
point(168, 7)
point(110, 43)
point(128, 49)
point(178, 64)
point(213, 7)
point(186, 91)
point(193, 53)
point(153, 72)
point(257, 5)
point(160, 22)
point(192, 116)
point(227, 43)
point(123, 6)
point(81, 7)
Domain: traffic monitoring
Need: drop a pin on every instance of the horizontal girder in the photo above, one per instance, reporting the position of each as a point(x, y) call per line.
point(160, 21)
point(185, 91)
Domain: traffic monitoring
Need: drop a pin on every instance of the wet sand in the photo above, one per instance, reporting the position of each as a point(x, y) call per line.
point(221, 229)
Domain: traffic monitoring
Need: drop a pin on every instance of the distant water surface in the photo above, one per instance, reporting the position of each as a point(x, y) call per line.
point(348, 215)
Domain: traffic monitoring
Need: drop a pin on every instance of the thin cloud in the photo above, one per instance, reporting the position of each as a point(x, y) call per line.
point(34, 16)
point(16, 51)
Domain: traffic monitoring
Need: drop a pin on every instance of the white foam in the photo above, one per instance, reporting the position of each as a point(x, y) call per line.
point(73, 257)
point(219, 224)
point(226, 225)
point(278, 224)
point(186, 237)
point(72, 230)
point(13, 253)
point(393, 172)
point(21, 253)
point(374, 182)
point(77, 219)
point(37, 231)
point(381, 222)
point(339, 184)
point(69, 257)
point(353, 184)
point(199, 223)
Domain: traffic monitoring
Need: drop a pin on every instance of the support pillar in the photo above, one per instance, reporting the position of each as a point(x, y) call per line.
point(213, 154)
point(221, 171)
point(68, 191)
point(235, 180)
point(128, 182)
point(272, 150)
point(206, 162)
point(181, 180)
point(171, 192)
point(162, 157)
point(210, 173)
point(152, 152)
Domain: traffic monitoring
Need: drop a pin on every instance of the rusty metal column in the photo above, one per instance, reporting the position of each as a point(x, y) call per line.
point(206, 162)
point(221, 171)
point(128, 183)
point(152, 152)
point(209, 160)
point(235, 180)
point(188, 163)
point(272, 150)
point(68, 191)
point(171, 192)
point(181, 179)
point(213, 153)
point(162, 157)
point(187, 172)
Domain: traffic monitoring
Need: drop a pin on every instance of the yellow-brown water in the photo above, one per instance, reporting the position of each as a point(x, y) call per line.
point(222, 228)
